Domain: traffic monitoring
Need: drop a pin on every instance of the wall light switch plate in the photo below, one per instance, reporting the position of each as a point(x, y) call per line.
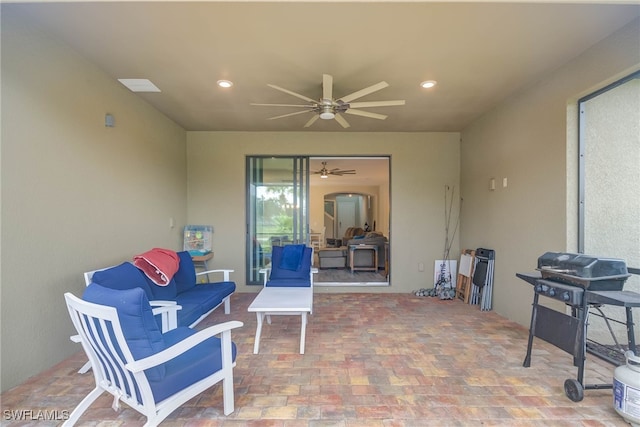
point(492, 184)
point(504, 182)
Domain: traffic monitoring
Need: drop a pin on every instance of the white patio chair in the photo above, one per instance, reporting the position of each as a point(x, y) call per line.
point(152, 372)
point(287, 291)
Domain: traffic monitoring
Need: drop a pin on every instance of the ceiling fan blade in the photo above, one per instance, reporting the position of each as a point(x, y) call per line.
point(327, 86)
point(283, 105)
point(311, 121)
point(342, 173)
point(345, 124)
point(375, 104)
point(297, 95)
point(366, 114)
point(287, 115)
point(365, 91)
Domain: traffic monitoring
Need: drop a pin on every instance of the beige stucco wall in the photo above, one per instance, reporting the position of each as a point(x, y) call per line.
point(421, 165)
point(612, 206)
point(76, 195)
point(525, 140)
point(612, 153)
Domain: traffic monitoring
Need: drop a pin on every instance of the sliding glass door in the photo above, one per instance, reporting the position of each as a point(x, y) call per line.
point(277, 208)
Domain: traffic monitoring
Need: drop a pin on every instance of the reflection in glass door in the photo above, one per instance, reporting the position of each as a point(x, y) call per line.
point(277, 200)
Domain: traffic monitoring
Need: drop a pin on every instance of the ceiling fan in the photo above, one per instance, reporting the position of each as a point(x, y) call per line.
point(324, 172)
point(328, 108)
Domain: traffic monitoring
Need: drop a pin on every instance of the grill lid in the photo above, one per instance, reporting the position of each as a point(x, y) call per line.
point(584, 270)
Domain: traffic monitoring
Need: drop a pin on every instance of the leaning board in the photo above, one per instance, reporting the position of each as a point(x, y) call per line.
point(465, 274)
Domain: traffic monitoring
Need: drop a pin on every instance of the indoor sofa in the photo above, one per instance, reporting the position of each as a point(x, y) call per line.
point(195, 300)
point(352, 232)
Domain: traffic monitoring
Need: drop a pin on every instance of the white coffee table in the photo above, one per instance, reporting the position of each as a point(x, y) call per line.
point(282, 301)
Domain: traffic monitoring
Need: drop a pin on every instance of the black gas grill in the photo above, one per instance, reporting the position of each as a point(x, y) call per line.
point(588, 272)
point(580, 281)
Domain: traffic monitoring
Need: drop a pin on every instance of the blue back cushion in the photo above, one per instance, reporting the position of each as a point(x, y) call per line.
point(291, 257)
point(123, 276)
point(302, 272)
point(167, 293)
point(139, 328)
point(185, 277)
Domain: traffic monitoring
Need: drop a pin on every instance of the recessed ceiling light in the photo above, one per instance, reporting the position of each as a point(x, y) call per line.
point(428, 84)
point(139, 85)
point(225, 83)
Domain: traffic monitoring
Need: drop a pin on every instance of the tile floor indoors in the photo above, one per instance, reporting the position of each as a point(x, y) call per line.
point(371, 360)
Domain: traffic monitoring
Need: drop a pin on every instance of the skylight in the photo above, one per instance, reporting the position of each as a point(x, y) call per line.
point(139, 85)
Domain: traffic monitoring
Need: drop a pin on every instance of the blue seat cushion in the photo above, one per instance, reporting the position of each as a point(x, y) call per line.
point(294, 283)
point(185, 277)
point(123, 276)
point(204, 296)
point(209, 294)
point(189, 313)
point(192, 366)
point(302, 272)
point(139, 327)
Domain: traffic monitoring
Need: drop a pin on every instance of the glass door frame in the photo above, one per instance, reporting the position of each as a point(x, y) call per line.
point(291, 181)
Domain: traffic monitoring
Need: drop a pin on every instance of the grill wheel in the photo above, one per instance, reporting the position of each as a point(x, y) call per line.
point(573, 389)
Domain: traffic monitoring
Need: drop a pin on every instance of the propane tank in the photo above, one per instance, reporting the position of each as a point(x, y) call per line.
point(626, 389)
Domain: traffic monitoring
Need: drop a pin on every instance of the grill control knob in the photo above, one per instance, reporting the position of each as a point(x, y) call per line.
point(552, 292)
point(566, 296)
point(538, 288)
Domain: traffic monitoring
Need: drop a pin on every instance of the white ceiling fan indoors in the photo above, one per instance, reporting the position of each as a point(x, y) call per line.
point(328, 108)
point(324, 172)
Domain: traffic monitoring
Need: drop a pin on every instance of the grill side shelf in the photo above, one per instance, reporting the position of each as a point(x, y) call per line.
point(530, 278)
point(618, 298)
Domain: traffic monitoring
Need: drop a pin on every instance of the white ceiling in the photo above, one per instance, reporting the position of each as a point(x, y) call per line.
point(480, 53)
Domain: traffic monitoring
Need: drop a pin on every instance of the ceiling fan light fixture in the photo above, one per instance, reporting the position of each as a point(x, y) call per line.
point(327, 113)
point(329, 108)
point(324, 175)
